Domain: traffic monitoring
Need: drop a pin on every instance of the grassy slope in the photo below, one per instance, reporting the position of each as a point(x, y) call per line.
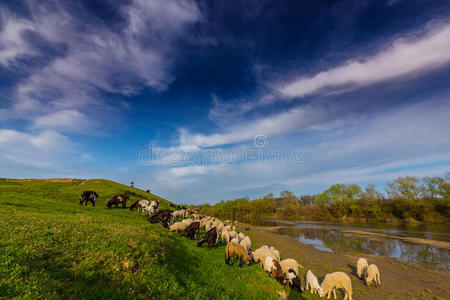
point(51, 247)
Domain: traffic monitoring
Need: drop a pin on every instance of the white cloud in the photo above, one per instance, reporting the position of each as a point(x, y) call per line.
point(12, 44)
point(27, 150)
point(404, 56)
point(96, 59)
point(65, 121)
point(294, 120)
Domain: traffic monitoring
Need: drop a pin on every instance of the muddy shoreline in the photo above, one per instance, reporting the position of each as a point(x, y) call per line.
point(400, 280)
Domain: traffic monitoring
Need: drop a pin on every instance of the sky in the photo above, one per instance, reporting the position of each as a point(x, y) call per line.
point(203, 101)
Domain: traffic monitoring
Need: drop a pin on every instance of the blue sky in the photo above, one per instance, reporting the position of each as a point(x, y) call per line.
point(203, 101)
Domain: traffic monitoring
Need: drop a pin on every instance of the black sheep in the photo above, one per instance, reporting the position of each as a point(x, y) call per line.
point(191, 230)
point(210, 237)
point(88, 196)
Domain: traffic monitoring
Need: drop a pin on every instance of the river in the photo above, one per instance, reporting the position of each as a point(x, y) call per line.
point(331, 237)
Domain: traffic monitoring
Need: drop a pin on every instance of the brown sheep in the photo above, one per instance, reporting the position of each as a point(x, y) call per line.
point(237, 251)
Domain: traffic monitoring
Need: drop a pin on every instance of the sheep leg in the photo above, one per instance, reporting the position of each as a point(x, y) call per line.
point(334, 293)
point(240, 262)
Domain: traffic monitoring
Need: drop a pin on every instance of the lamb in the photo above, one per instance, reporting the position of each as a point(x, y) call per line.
point(246, 245)
point(293, 280)
point(312, 283)
point(289, 263)
point(178, 226)
point(237, 251)
point(234, 240)
point(373, 275)
point(336, 280)
point(225, 237)
point(361, 264)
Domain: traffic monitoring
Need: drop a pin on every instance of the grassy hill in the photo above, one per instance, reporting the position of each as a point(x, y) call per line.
point(51, 247)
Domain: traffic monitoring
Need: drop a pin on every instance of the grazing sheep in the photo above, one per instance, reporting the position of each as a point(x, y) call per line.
point(227, 228)
point(178, 226)
point(249, 241)
point(233, 234)
point(191, 230)
point(237, 251)
point(268, 264)
point(277, 272)
point(336, 280)
point(225, 237)
point(294, 281)
point(241, 236)
point(246, 245)
point(88, 196)
point(210, 237)
point(289, 263)
point(361, 264)
point(140, 205)
point(261, 254)
point(116, 200)
point(373, 275)
point(312, 283)
point(164, 217)
point(234, 240)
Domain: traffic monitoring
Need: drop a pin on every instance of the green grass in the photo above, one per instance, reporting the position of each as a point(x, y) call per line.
point(51, 247)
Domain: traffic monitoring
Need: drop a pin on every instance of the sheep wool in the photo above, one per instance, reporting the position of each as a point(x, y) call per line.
point(177, 226)
point(244, 244)
point(373, 275)
point(225, 237)
point(336, 280)
point(235, 241)
point(289, 263)
point(268, 264)
point(360, 265)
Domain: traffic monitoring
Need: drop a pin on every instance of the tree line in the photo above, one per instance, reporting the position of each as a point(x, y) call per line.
point(407, 199)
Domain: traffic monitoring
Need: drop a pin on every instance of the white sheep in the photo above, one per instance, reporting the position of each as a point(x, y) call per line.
point(177, 226)
point(260, 255)
point(234, 240)
point(373, 275)
point(361, 264)
point(233, 234)
point(241, 236)
point(289, 263)
point(336, 280)
point(312, 283)
point(268, 264)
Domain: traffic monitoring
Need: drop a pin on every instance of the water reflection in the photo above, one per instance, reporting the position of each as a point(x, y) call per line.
point(328, 237)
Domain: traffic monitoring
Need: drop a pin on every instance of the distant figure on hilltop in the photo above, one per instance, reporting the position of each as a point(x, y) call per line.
point(148, 191)
point(132, 184)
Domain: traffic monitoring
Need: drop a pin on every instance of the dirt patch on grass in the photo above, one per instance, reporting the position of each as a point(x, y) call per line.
point(399, 280)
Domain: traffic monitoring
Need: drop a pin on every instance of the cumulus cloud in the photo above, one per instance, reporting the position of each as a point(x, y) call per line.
point(405, 56)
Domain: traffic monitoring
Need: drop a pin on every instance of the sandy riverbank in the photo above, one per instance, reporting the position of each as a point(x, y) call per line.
point(399, 280)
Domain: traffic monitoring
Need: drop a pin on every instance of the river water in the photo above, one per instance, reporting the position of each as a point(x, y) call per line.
point(328, 237)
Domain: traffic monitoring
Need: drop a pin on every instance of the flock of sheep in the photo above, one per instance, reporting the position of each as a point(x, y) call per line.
point(239, 246)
